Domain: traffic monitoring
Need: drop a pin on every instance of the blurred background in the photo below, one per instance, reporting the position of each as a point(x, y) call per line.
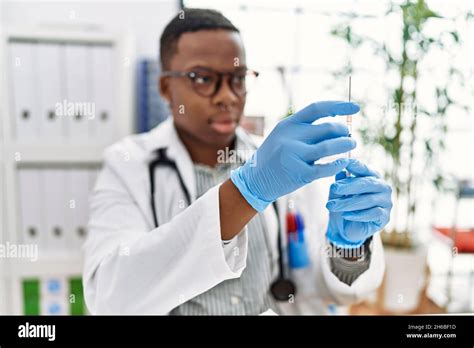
point(411, 67)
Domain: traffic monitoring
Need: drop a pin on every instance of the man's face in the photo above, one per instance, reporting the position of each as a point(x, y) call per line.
point(210, 120)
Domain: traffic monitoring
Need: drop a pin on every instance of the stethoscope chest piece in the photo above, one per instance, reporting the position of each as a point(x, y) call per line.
point(282, 289)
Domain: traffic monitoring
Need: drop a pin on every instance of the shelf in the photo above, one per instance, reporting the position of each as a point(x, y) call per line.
point(60, 33)
point(52, 264)
point(34, 153)
point(66, 153)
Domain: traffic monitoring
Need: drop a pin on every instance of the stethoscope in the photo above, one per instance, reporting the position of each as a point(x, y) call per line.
point(283, 287)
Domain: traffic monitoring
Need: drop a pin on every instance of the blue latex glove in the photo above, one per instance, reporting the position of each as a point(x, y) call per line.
point(359, 206)
point(285, 160)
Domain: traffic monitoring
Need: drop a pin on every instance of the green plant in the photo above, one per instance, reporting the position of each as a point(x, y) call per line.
point(398, 133)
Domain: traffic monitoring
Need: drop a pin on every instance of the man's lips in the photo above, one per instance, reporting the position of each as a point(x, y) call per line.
point(223, 118)
point(224, 121)
point(224, 125)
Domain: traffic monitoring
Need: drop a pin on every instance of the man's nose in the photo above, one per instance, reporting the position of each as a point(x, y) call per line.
point(225, 95)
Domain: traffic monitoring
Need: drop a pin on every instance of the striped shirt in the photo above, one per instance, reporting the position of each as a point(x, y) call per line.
point(249, 294)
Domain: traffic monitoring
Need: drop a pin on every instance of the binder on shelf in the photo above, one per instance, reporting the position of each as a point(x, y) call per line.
point(77, 305)
point(55, 206)
point(31, 296)
point(78, 105)
point(102, 87)
point(49, 88)
point(23, 101)
point(54, 296)
point(152, 109)
point(78, 194)
point(56, 306)
point(31, 203)
point(53, 286)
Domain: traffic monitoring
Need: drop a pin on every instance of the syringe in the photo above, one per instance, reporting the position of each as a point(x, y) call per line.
point(349, 125)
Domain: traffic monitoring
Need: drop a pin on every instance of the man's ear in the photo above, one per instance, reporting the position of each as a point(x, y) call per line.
point(164, 88)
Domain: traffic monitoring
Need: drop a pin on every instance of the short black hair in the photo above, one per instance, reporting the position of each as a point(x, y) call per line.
point(190, 20)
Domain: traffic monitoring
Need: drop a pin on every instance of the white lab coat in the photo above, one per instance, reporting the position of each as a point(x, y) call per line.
point(133, 268)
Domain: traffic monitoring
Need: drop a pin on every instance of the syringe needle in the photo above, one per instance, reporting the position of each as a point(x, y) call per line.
point(349, 88)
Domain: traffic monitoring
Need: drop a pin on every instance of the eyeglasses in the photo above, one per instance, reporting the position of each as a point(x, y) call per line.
point(206, 82)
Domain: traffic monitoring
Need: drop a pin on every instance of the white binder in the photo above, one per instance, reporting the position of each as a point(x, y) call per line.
point(103, 87)
point(49, 87)
point(56, 286)
point(22, 81)
point(78, 191)
point(54, 305)
point(31, 203)
point(78, 102)
point(56, 206)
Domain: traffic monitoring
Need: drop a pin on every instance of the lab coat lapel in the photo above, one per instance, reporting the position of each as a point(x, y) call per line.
point(129, 159)
point(178, 153)
point(165, 136)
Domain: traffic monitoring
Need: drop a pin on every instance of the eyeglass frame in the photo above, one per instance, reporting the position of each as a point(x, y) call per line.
point(191, 75)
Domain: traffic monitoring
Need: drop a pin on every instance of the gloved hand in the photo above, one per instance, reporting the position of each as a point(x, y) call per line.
point(285, 160)
point(359, 206)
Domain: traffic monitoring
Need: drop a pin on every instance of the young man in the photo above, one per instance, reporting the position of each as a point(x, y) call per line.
point(185, 234)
